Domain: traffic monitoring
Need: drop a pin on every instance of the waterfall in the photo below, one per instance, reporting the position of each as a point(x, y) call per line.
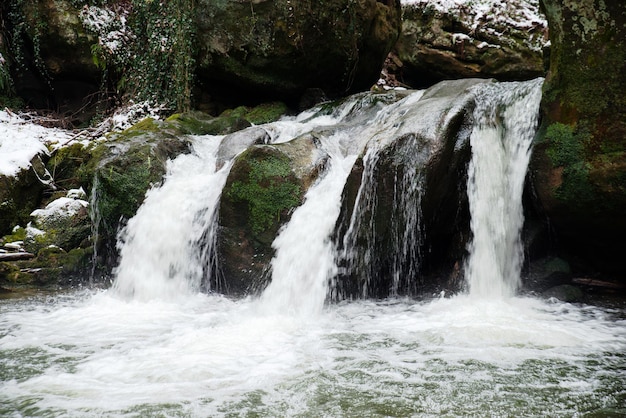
point(304, 260)
point(160, 254)
point(505, 122)
point(167, 248)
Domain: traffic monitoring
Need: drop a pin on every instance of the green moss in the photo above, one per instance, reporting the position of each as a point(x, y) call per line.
point(65, 166)
point(122, 184)
point(265, 113)
point(197, 123)
point(269, 190)
point(11, 275)
point(19, 234)
point(143, 126)
point(238, 112)
point(567, 149)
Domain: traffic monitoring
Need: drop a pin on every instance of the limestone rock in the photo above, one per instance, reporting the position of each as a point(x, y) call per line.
point(504, 42)
point(579, 161)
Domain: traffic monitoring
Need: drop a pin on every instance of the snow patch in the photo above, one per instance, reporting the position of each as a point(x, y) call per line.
point(63, 207)
point(109, 25)
point(487, 15)
point(21, 141)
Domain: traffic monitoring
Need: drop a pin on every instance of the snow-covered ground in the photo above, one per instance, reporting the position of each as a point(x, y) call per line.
point(21, 140)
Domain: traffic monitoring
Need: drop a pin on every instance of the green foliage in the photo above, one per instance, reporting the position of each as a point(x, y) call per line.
point(269, 190)
point(567, 149)
point(18, 234)
point(98, 56)
point(161, 65)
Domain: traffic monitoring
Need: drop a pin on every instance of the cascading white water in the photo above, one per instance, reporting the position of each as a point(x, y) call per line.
point(304, 260)
point(506, 116)
point(159, 251)
point(93, 353)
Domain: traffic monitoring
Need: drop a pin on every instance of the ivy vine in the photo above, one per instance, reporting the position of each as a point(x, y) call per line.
point(154, 62)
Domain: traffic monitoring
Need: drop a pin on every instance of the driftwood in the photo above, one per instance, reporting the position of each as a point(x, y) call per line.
point(599, 283)
point(16, 256)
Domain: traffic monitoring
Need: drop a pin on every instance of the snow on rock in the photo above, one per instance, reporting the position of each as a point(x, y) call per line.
point(111, 28)
point(63, 207)
point(21, 140)
point(520, 14)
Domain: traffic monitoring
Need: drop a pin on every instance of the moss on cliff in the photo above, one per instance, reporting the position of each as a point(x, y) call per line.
point(566, 149)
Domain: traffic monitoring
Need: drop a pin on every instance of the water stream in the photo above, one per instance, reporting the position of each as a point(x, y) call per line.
point(155, 345)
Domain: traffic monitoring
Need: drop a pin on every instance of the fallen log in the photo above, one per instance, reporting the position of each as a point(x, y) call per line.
point(599, 283)
point(16, 256)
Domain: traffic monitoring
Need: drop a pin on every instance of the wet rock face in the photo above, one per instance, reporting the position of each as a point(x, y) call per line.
point(579, 161)
point(264, 185)
point(283, 47)
point(505, 43)
point(404, 221)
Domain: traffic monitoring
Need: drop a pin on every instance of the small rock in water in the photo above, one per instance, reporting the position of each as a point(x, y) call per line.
point(565, 293)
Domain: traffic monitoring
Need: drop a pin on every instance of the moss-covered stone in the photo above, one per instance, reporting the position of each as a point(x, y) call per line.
point(124, 167)
point(11, 276)
point(197, 123)
point(264, 188)
point(265, 184)
point(579, 161)
point(265, 113)
point(21, 194)
point(69, 166)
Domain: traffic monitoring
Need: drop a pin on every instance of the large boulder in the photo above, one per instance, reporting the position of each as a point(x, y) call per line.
point(496, 40)
point(265, 184)
point(123, 168)
point(404, 222)
point(579, 161)
point(284, 47)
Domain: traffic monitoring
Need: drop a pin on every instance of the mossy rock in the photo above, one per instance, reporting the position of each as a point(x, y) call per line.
point(260, 193)
point(11, 276)
point(68, 166)
point(579, 160)
point(124, 168)
point(20, 195)
point(55, 267)
point(198, 123)
point(265, 113)
point(66, 233)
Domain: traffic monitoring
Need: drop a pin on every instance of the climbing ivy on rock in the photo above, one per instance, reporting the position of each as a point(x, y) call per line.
point(144, 49)
point(161, 66)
